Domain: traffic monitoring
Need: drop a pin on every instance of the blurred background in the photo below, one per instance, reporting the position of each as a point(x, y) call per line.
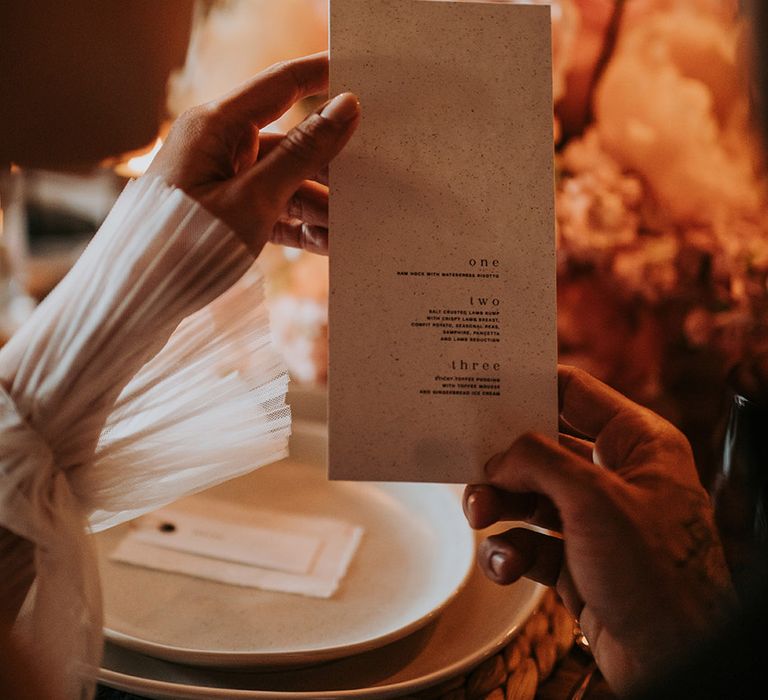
point(661, 200)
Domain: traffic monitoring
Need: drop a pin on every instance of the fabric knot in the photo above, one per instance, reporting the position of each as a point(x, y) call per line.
point(26, 473)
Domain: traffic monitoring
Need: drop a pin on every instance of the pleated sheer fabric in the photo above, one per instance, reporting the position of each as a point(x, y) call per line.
point(146, 375)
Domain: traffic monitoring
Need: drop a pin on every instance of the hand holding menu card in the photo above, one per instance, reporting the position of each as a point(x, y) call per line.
point(443, 342)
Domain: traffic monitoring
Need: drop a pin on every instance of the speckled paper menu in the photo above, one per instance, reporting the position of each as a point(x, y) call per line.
point(442, 302)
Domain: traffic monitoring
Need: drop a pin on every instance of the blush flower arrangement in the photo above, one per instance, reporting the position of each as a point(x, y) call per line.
point(661, 202)
point(661, 205)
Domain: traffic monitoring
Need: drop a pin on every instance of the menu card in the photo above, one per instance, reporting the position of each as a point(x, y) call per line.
point(442, 301)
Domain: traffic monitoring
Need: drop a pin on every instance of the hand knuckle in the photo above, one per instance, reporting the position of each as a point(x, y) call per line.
point(274, 70)
point(193, 123)
point(496, 465)
point(676, 440)
point(660, 431)
point(303, 142)
point(199, 114)
point(279, 67)
point(283, 70)
point(295, 207)
point(531, 440)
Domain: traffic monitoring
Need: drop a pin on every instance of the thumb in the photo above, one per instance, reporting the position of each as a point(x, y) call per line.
point(303, 151)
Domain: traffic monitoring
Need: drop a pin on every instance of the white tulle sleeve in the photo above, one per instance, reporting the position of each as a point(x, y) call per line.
point(146, 375)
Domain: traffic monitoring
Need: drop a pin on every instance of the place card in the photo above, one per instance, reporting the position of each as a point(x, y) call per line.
point(240, 546)
point(265, 546)
point(442, 325)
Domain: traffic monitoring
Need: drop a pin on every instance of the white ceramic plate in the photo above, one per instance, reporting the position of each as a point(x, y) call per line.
point(415, 555)
point(476, 624)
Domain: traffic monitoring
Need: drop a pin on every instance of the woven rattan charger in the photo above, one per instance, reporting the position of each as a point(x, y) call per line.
point(542, 661)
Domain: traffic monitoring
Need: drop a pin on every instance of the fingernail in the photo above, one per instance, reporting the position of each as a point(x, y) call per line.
point(469, 509)
point(314, 239)
point(342, 108)
point(497, 562)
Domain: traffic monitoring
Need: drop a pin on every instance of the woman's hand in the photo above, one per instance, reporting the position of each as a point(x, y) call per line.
point(266, 187)
point(640, 563)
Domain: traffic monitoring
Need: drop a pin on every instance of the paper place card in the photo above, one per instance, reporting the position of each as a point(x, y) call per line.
point(265, 546)
point(443, 344)
point(263, 549)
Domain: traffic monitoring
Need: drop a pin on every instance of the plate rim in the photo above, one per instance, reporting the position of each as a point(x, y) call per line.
point(169, 689)
point(315, 432)
point(281, 659)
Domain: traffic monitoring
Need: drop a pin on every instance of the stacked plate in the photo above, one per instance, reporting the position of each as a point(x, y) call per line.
point(412, 610)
